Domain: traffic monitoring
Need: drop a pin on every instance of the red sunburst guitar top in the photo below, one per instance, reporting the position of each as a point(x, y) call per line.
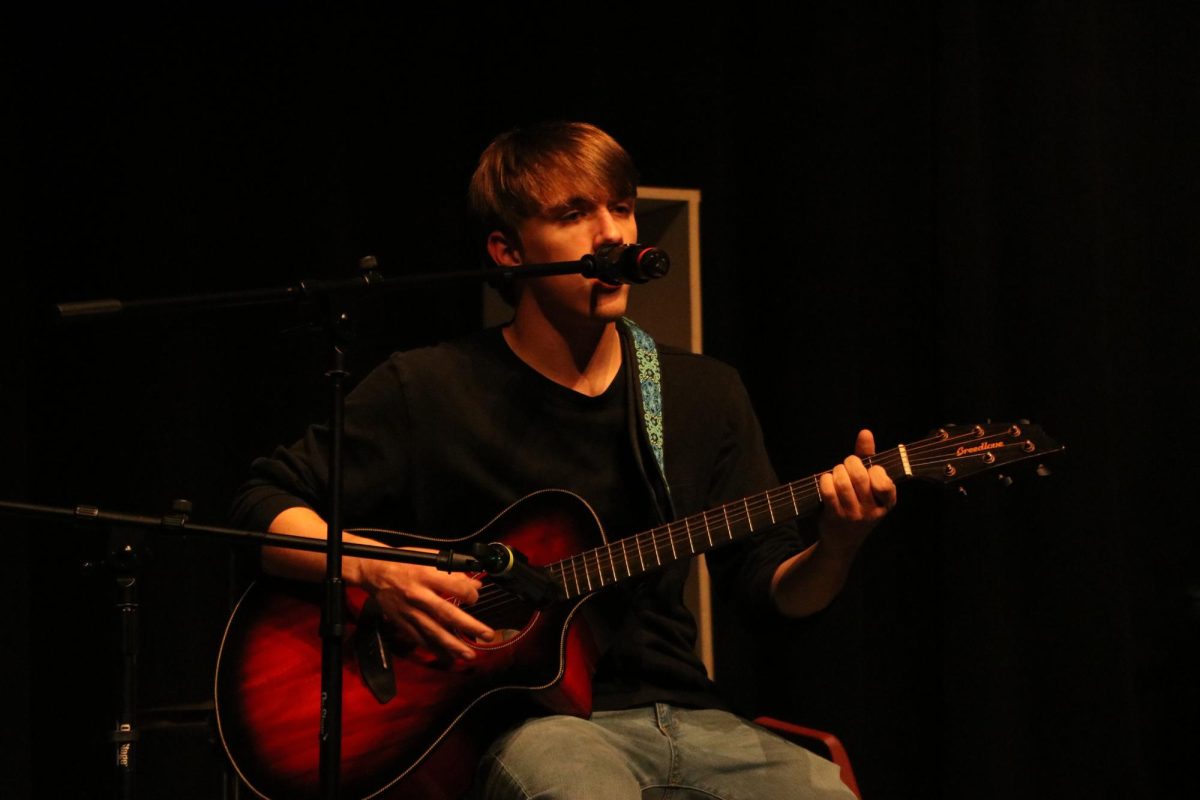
point(410, 722)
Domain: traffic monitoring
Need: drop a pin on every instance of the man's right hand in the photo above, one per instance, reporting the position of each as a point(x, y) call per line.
point(420, 602)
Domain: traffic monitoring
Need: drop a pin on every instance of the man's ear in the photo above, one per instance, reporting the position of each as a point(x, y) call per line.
point(504, 249)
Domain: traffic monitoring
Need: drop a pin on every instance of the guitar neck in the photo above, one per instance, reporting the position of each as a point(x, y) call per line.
point(948, 455)
point(684, 538)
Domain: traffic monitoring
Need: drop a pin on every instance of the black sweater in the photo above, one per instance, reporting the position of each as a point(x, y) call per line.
point(439, 440)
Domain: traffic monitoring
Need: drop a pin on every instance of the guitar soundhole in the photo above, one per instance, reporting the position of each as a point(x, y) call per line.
point(508, 615)
point(503, 635)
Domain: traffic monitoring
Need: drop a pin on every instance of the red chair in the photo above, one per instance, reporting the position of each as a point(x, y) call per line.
point(806, 736)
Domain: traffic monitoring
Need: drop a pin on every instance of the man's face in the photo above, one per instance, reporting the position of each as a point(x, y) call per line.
point(567, 231)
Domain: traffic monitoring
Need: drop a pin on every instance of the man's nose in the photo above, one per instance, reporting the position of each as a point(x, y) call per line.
point(607, 230)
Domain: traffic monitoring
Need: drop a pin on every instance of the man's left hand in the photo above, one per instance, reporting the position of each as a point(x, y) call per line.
point(855, 497)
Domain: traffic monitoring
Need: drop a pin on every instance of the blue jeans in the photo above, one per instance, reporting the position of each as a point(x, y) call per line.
point(655, 751)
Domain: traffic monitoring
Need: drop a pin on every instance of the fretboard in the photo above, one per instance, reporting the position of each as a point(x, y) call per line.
point(665, 545)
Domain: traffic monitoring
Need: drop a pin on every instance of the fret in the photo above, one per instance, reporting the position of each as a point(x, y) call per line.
point(707, 530)
point(687, 528)
point(817, 483)
point(654, 543)
point(563, 573)
point(770, 507)
point(728, 527)
point(612, 562)
point(589, 567)
point(575, 574)
point(628, 571)
point(599, 565)
point(671, 539)
point(638, 541)
point(792, 492)
point(749, 520)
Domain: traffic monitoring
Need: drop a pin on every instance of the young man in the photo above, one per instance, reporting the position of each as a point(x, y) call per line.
point(439, 440)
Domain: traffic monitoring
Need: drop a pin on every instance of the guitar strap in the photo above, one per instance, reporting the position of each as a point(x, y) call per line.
point(647, 400)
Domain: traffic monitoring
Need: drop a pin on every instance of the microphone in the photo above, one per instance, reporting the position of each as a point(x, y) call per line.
point(626, 263)
point(510, 569)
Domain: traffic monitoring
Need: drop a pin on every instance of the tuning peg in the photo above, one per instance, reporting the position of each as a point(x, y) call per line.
point(1005, 480)
point(962, 492)
point(1043, 471)
point(1024, 421)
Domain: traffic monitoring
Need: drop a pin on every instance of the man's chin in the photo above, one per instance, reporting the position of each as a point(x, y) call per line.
point(609, 304)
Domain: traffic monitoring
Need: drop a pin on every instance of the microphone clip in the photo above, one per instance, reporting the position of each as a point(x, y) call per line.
point(511, 570)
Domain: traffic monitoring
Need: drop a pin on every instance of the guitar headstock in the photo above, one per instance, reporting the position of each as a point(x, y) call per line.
point(955, 452)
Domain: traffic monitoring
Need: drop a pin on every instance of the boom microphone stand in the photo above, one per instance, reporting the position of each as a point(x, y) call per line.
point(613, 264)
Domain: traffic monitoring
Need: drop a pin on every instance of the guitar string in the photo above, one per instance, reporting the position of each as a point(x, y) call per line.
point(604, 563)
point(604, 559)
point(771, 500)
point(492, 596)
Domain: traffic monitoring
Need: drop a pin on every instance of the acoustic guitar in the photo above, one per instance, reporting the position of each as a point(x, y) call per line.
point(411, 721)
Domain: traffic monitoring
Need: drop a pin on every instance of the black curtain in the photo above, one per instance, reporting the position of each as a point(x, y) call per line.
point(943, 212)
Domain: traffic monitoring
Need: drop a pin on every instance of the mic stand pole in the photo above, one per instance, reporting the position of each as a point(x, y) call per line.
point(126, 556)
point(334, 608)
point(125, 550)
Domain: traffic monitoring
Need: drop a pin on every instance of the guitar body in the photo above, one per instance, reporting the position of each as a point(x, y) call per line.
point(269, 674)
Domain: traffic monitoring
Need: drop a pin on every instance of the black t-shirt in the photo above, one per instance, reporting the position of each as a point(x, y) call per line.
point(439, 440)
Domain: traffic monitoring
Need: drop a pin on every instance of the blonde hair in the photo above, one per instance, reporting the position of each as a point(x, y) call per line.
point(527, 170)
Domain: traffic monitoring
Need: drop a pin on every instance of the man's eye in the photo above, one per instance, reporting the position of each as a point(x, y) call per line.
point(622, 209)
point(572, 216)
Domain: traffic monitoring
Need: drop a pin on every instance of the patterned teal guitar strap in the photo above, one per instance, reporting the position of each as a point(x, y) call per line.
point(650, 393)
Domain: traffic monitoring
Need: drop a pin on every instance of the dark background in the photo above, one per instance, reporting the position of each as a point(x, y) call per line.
point(913, 214)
